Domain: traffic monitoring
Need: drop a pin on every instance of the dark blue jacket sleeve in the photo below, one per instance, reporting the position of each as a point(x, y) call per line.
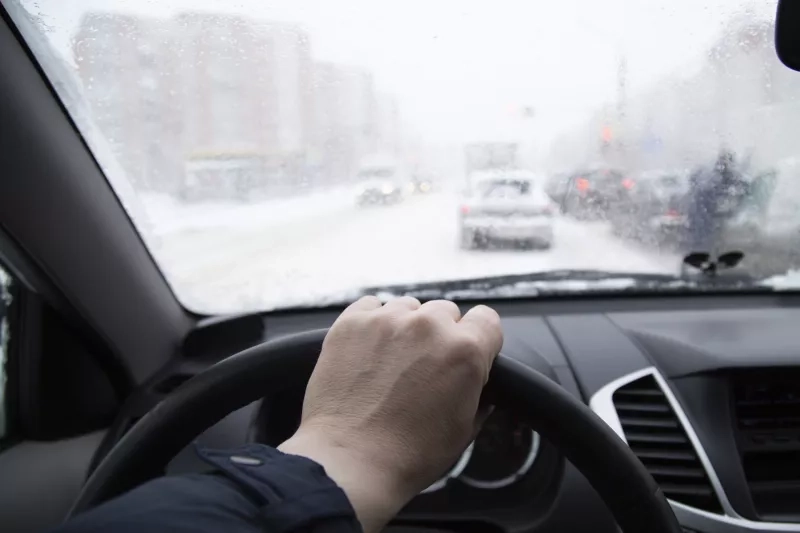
point(250, 489)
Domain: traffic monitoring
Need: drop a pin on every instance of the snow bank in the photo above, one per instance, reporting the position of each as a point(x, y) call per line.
point(167, 214)
point(320, 261)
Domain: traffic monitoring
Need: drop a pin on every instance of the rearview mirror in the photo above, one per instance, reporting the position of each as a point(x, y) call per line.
point(787, 36)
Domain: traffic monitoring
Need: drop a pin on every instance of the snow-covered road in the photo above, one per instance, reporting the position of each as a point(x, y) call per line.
point(231, 258)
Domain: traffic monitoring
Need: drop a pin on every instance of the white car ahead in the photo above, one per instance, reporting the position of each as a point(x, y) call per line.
point(506, 206)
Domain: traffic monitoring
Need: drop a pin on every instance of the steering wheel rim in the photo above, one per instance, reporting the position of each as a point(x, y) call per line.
point(620, 479)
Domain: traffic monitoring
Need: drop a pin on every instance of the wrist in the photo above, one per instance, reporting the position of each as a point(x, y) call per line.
point(374, 491)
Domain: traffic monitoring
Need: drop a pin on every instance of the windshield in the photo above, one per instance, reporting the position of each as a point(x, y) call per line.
point(376, 173)
point(508, 188)
point(242, 138)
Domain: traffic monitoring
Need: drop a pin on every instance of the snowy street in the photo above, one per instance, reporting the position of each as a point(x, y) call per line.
point(229, 257)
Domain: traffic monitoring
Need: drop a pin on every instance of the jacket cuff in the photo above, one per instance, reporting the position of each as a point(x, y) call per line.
point(291, 491)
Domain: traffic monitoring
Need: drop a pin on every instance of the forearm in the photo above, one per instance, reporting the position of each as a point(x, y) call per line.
point(374, 492)
point(252, 489)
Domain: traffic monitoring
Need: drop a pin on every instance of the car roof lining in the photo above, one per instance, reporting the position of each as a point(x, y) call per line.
point(58, 206)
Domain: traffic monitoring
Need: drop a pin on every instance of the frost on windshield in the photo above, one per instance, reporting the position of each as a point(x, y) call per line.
point(282, 154)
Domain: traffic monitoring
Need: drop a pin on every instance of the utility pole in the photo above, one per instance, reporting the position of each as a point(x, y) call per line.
point(622, 86)
point(612, 145)
point(622, 107)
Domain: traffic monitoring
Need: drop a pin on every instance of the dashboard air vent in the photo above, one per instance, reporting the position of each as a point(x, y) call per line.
point(767, 411)
point(658, 439)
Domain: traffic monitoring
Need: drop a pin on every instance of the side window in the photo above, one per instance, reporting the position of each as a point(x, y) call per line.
point(6, 282)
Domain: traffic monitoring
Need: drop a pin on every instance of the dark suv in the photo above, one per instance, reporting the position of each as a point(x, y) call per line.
point(655, 212)
point(592, 194)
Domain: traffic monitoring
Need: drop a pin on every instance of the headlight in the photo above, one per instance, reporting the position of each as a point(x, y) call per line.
point(387, 189)
point(425, 187)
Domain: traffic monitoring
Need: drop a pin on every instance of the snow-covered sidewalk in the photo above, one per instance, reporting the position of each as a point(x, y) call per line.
point(167, 214)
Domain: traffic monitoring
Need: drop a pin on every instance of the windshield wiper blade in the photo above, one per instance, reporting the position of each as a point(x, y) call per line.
point(559, 282)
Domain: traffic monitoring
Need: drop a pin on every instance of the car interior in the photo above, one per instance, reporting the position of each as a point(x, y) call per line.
point(643, 411)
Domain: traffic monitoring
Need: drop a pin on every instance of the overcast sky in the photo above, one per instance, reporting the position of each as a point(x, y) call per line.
point(463, 69)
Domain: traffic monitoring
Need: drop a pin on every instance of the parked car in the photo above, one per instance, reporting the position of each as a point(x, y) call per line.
point(767, 229)
point(592, 194)
point(652, 210)
point(505, 206)
point(758, 209)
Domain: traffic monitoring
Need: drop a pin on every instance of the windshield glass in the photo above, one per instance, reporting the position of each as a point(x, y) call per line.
point(504, 188)
point(376, 173)
point(250, 141)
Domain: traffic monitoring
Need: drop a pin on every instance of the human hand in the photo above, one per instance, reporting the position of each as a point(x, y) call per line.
point(393, 400)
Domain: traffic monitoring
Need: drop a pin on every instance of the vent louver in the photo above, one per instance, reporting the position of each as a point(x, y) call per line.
point(658, 439)
point(767, 408)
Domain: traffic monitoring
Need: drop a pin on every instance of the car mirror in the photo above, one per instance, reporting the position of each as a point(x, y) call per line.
point(787, 36)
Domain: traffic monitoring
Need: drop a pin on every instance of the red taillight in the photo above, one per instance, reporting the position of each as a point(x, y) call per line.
point(628, 183)
point(673, 213)
point(464, 209)
point(582, 184)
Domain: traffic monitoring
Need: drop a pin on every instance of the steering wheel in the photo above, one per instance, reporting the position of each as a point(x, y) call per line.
point(634, 498)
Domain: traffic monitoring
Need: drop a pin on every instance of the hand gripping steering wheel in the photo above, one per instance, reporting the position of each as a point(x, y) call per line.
point(634, 498)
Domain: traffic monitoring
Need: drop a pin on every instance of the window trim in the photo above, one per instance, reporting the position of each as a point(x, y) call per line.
point(31, 278)
point(8, 403)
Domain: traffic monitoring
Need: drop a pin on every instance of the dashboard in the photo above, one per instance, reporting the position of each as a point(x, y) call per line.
point(506, 463)
point(705, 391)
point(502, 455)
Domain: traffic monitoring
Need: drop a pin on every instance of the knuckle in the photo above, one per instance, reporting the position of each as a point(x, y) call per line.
point(346, 320)
point(346, 326)
point(411, 300)
point(443, 302)
point(489, 314)
point(466, 351)
point(451, 307)
point(470, 347)
point(421, 322)
point(370, 298)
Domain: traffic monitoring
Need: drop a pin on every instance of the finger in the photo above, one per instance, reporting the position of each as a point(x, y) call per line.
point(484, 323)
point(443, 308)
point(402, 304)
point(365, 303)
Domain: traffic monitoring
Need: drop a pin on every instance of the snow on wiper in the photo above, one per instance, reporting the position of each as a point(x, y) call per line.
point(554, 282)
